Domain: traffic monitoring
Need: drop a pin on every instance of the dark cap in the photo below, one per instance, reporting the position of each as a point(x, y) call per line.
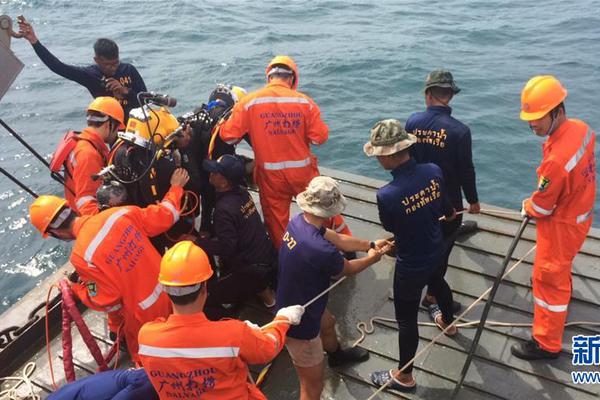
point(230, 166)
point(441, 78)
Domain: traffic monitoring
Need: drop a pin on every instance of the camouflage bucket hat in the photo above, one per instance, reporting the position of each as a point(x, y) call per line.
point(322, 198)
point(441, 78)
point(388, 137)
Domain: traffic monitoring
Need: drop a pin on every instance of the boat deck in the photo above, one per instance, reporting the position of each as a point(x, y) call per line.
point(475, 260)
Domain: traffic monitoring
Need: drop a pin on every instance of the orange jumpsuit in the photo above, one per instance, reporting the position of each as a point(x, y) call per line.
point(337, 224)
point(282, 124)
point(563, 207)
point(86, 159)
point(188, 356)
point(118, 266)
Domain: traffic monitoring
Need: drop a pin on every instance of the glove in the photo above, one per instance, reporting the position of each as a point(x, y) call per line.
point(292, 313)
point(252, 325)
point(523, 212)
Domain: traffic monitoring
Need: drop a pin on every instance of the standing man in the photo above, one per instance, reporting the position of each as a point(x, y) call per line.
point(117, 265)
point(188, 356)
point(282, 123)
point(446, 142)
point(410, 207)
point(89, 154)
point(309, 258)
point(107, 77)
point(562, 206)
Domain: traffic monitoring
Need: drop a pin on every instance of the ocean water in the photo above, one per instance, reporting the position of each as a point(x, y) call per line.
point(360, 61)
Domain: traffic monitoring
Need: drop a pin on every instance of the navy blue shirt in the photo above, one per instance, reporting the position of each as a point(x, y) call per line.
point(90, 77)
point(240, 236)
point(410, 207)
point(446, 142)
point(307, 261)
point(130, 384)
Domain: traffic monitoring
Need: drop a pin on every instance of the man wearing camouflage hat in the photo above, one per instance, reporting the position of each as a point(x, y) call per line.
point(308, 258)
point(446, 142)
point(410, 207)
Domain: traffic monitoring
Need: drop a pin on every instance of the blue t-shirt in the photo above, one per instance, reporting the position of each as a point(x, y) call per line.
point(307, 261)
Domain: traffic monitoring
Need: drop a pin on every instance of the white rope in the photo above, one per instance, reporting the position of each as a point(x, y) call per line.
point(11, 392)
point(367, 328)
point(494, 211)
point(454, 323)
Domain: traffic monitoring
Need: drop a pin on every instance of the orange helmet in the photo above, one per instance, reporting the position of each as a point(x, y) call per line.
point(540, 95)
point(184, 264)
point(108, 106)
point(44, 210)
point(288, 62)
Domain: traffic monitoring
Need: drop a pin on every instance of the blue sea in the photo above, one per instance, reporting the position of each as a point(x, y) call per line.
point(360, 61)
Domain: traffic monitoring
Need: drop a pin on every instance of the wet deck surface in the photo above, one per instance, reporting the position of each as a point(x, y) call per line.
point(475, 260)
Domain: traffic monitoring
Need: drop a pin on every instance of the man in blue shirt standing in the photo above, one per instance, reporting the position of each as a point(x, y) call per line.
point(410, 207)
point(446, 142)
point(309, 258)
point(107, 77)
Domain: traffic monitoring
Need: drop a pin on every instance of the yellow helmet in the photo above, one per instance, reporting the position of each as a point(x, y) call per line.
point(161, 123)
point(238, 93)
point(540, 96)
point(184, 264)
point(44, 210)
point(108, 106)
point(289, 63)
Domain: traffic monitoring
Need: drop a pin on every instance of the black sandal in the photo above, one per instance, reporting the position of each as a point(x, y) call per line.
point(380, 378)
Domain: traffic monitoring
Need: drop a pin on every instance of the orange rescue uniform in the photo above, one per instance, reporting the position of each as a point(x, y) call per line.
point(188, 356)
point(563, 206)
point(282, 124)
point(118, 266)
point(337, 224)
point(86, 159)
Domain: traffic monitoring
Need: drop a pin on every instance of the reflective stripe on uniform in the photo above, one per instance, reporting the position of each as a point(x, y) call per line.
point(83, 200)
point(108, 224)
point(275, 166)
point(150, 300)
point(340, 228)
point(114, 308)
point(267, 100)
point(584, 217)
point(189, 352)
point(173, 210)
point(541, 210)
point(575, 159)
point(72, 159)
point(274, 339)
point(555, 308)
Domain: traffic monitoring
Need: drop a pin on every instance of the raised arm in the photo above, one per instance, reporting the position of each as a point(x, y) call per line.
point(71, 72)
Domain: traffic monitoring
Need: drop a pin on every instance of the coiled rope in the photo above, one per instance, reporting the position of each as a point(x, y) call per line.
point(11, 392)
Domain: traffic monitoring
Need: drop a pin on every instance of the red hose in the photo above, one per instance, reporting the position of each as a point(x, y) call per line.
point(72, 314)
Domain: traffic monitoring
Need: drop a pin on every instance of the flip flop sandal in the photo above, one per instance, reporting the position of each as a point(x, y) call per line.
point(436, 316)
point(380, 378)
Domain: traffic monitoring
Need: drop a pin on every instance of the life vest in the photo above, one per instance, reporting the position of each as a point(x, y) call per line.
point(64, 148)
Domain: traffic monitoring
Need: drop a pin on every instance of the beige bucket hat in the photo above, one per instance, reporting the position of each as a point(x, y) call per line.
point(322, 198)
point(388, 137)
